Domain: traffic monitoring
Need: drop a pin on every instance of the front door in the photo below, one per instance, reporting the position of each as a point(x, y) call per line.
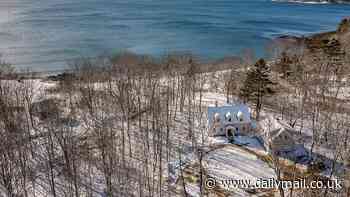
point(230, 135)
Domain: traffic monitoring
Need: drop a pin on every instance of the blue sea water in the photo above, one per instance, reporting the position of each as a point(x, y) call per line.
point(46, 34)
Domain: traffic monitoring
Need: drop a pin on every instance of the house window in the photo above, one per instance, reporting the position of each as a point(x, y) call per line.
point(228, 117)
point(217, 117)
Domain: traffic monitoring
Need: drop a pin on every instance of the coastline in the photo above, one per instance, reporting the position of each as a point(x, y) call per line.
point(316, 39)
point(214, 64)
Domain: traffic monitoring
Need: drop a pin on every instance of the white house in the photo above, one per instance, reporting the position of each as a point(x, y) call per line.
point(229, 120)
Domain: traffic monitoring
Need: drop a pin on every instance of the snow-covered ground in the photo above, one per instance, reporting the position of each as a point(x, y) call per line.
point(230, 162)
point(248, 142)
point(233, 163)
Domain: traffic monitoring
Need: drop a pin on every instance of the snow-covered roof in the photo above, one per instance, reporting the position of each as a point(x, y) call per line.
point(275, 134)
point(238, 109)
point(273, 128)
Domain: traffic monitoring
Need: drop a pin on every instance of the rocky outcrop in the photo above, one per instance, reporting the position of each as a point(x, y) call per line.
point(319, 40)
point(344, 26)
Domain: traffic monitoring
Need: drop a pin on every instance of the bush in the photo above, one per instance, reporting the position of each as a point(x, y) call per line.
point(7, 70)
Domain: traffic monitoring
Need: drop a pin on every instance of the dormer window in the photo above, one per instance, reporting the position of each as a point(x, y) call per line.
point(217, 117)
point(228, 117)
point(240, 116)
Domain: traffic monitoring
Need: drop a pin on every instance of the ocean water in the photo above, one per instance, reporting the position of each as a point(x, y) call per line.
point(46, 34)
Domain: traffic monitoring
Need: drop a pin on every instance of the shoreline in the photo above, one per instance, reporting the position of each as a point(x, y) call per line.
point(219, 63)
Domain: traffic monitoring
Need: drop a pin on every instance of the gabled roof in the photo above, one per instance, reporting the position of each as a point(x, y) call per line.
point(277, 132)
point(274, 127)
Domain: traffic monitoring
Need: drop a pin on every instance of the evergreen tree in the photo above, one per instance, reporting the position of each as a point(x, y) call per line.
point(257, 85)
point(5, 68)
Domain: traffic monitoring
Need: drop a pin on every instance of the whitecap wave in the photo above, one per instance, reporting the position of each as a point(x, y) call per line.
point(303, 2)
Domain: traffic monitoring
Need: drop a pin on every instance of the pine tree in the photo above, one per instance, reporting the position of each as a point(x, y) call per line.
point(257, 85)
point(5, 68)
